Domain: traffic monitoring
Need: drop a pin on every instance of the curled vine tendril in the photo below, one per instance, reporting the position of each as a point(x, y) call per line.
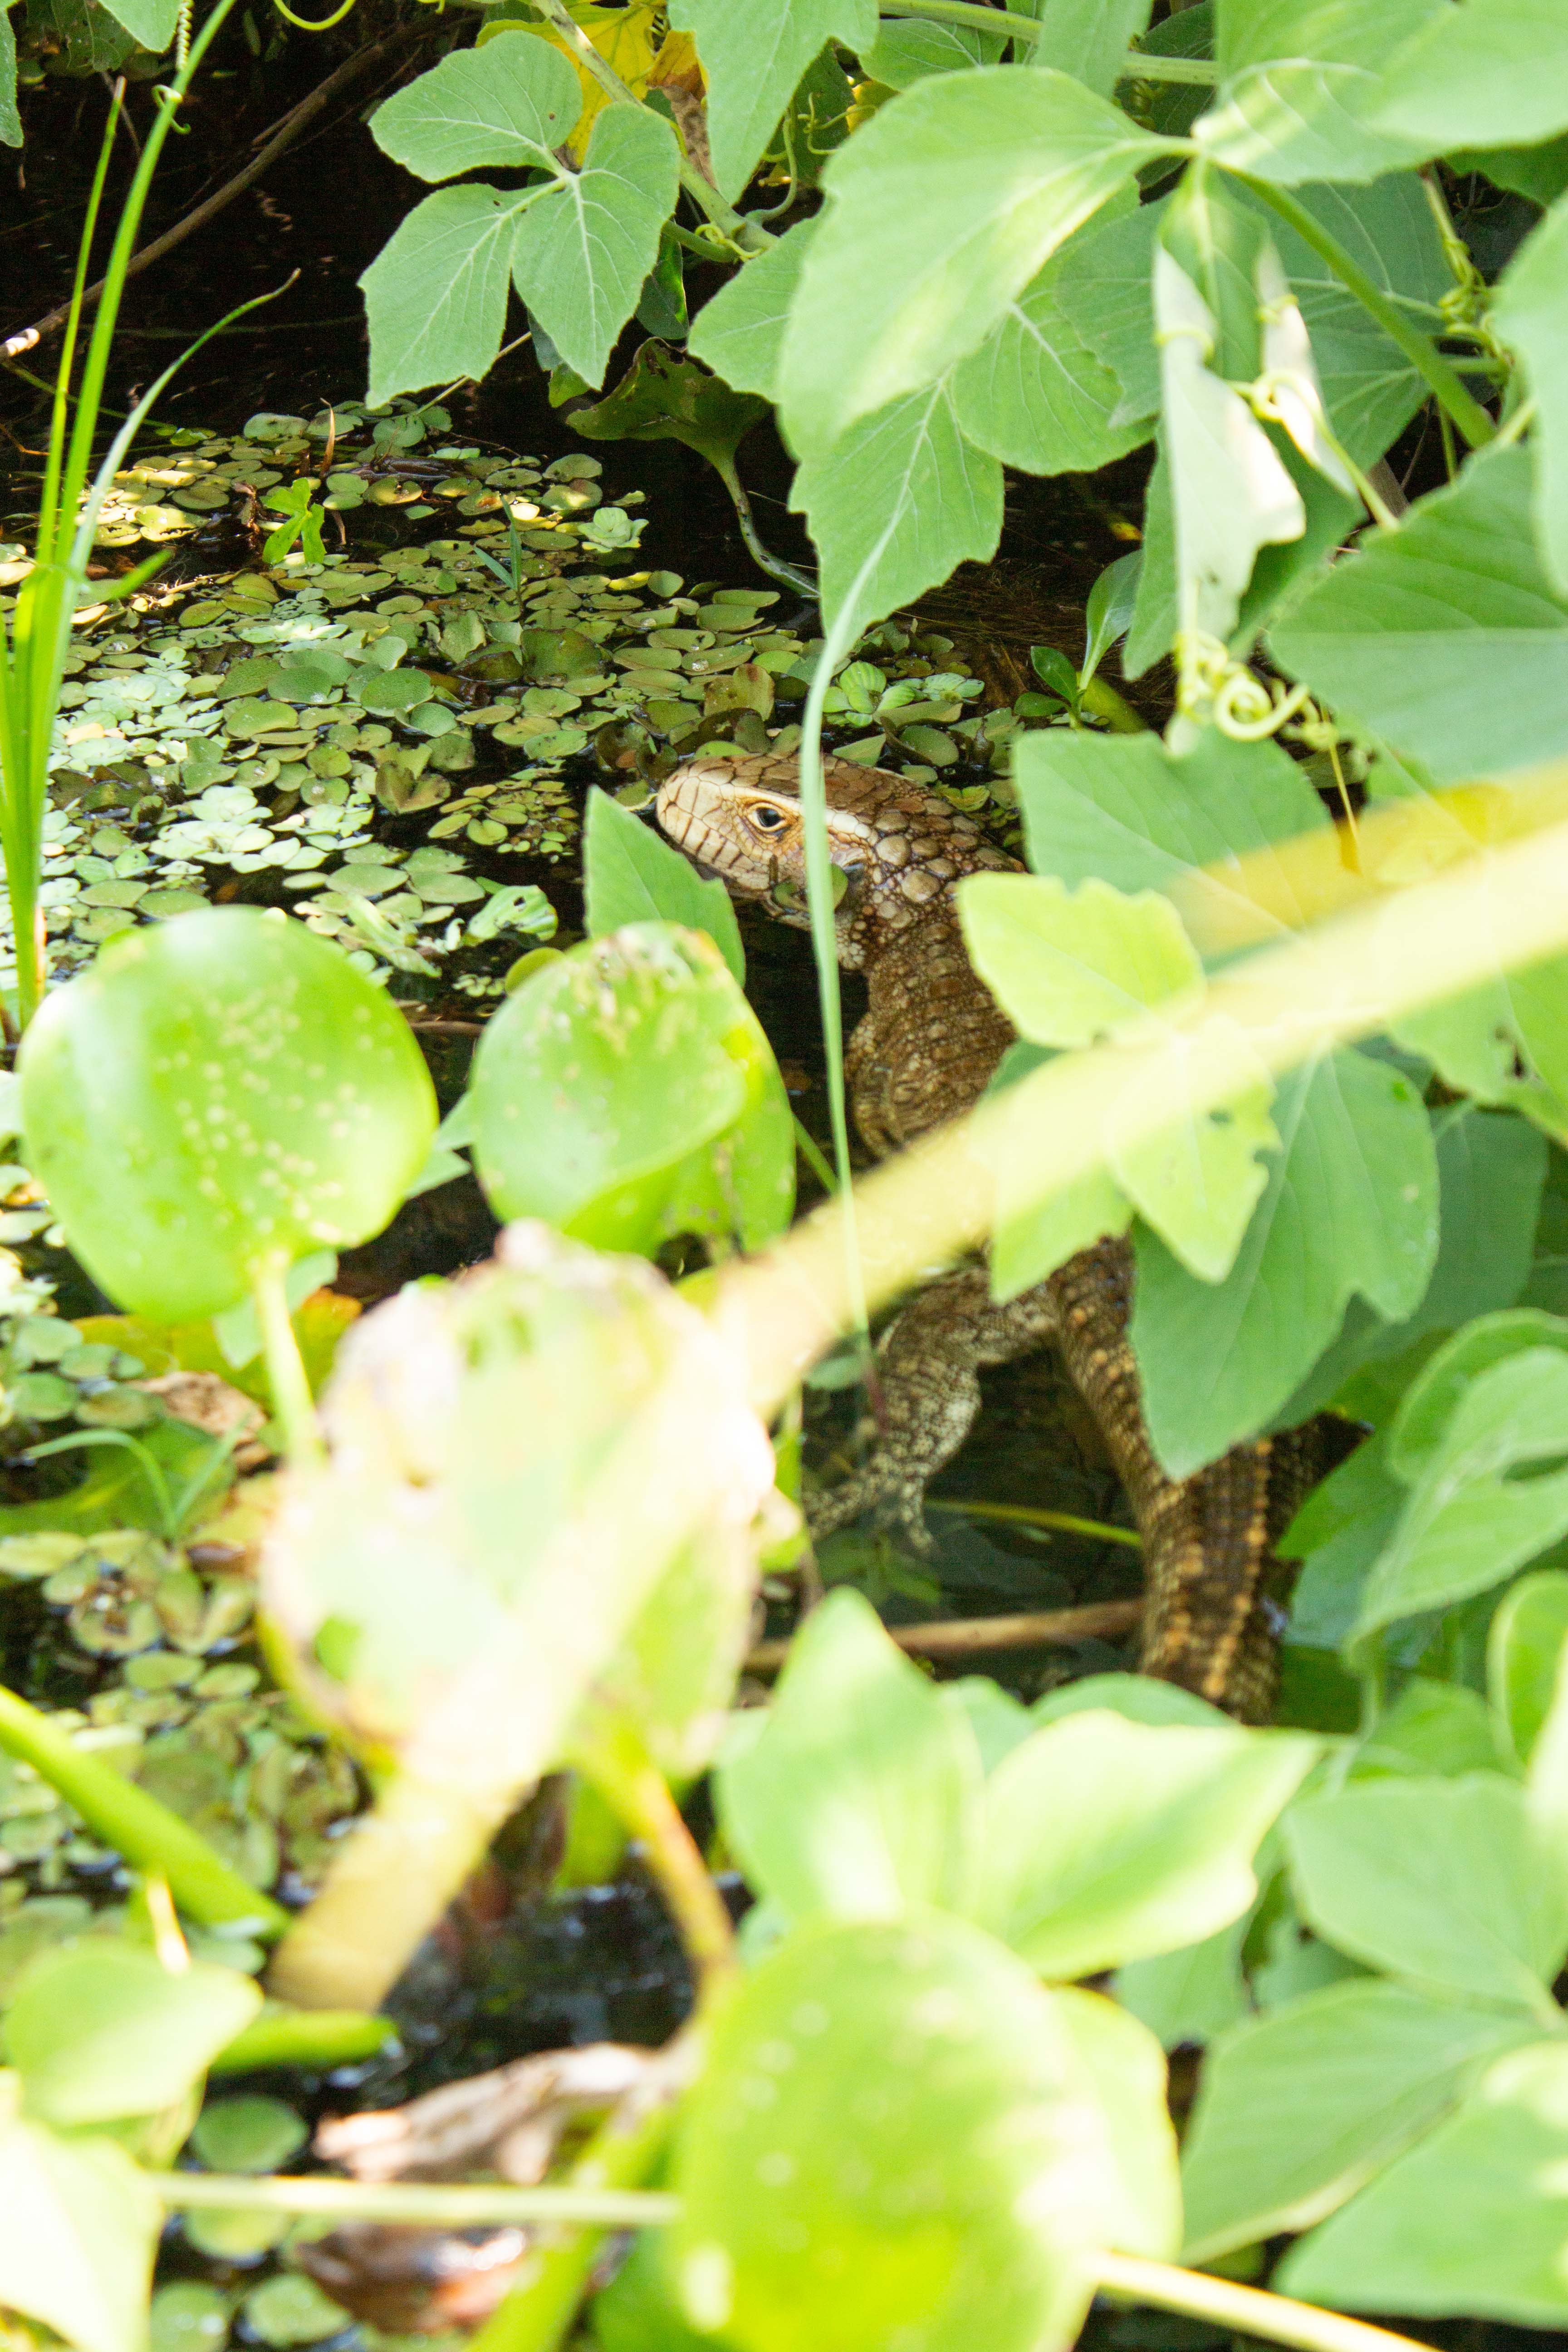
point(1227, 694)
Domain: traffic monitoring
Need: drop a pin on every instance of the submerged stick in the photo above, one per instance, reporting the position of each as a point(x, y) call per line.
point(963, 1637)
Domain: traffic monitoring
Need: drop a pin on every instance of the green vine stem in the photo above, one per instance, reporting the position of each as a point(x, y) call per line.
point(1247, 2309)
point(286, 1376)
point(121, 1815)
point(745, 234)
point(317, 2038)
point(1026, 1514)
point(1467, 415)
point(418, 2204)
point(638, 1793)
point(1141, 65)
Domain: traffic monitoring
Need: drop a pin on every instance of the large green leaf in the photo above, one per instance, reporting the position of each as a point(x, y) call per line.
point(1068, 967)
point(514, 102)
point(740, 332)
point(583, 251)
point(907, 50)
point(1036, 395)
point(632, 875)
point(1475, 2220)
point(1298, 2109)
point(153, 22)
point(1348, 1208)
point(1529, 310)
point(1444, 1883)
point(1104, 1840)
point(1091, 38)
point(664, 397)
point(1104, 281)
point(943, 209)
point(78, 2226)
point(1491, 72)
point(217, 1098)
point(102, 2031)
point(1505, 1043)
point(854, 1797)
point(873, 2158)
point(435, 294)
point(1301, 84)
point(1524, 1660)
point(1445, 636)
point(754, 53)
point(901, 499)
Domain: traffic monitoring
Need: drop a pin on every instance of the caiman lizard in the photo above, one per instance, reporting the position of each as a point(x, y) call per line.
point(925, 1052)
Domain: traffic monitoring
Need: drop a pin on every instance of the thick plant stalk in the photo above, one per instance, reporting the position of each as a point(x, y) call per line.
point(1248, 2309)
point(429, 2205)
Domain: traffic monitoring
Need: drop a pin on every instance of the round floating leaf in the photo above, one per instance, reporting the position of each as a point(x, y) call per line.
point(290, 2309)
point(627, 1092)
point(187, 2317)
point(102, 2031)
point(895, 2147)
point(255, 2134)
point(216, 1097)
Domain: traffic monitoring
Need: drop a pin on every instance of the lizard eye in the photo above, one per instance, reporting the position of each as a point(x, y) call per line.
point(763, 819)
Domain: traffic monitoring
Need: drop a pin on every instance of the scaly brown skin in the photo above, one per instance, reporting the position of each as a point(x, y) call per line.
point(925, 1052)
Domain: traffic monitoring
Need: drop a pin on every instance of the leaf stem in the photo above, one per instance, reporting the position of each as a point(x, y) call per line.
point(638, 1793)
point(703, 193)
point(286, 1377)
point(1139, 65)
point(317, 2038)
point(1025, 1515)
point(775, 566)
point(1443, 380)
point(1275, 2318)
point(422, 2204)
point(123, 1816)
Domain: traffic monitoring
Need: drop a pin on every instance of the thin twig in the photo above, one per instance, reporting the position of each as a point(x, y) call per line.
point(422, 2204)
point(963, 1637)
point(284, 136)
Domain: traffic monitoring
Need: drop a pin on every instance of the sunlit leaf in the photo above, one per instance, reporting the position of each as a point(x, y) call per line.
point(632, 875)
point(78, 2226)
point(754, 53)
point(1529, 311)
point(104, 2031)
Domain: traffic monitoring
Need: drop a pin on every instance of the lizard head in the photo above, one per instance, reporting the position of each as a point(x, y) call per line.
point(899, 849)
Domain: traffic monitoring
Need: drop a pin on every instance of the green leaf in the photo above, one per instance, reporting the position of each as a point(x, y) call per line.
point(1540, 173)
point(1473, 2221)
point(1090, 39)
point(514, 102)
point(1444, 1883)
point(943, 209)
point(584, 250)
point(627, 1092)
point(1337, 1534)
point(906, 52)
point(150, 22)
point(1300, 85)
point(1493, 71)
point(1127, 2068)
point(1468, 1523)
point(1104, 1840)
point(1445, 636)
point(435, 294)
point(1348, 1208)
point(104, 2031)
point(1524, 1655)
point(663, 397)
point(1529, 311)
point(754, 53)
point(1108, 616)
point(903, 499)
point(1069, 967)
point(1299, 2109)
point(1103, 279)
point(1036, 395)
point(1506, 1042)
point(78, 2226)
point(218, 1096)
point(1197, 1181)
point(632, 875)
point(871, 2156)
point(1431, 1726)
point(1425, 1412)
point(855, 1796)
point(740, 332)
point(10, 119)
point(1122, 807)
point(1191, 1995)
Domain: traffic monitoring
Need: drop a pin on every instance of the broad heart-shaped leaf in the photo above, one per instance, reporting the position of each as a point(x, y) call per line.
point(943, 208)
point(1036, 395)
point(104, 2031)
point(153, 22)
point(1444, 1883)
point(739, 333)
point(1068, 967)
point(584, 250)
point(435, 294)
point(853, 1796)
point(217, 1098)
point(632, 875)
point(754, 53)
point(1123, 808)
point(78, 2226)
point(1348, 1208)
point(1446, 638)
point(1529, 310)
point(1474, 2219)
point(1301, 84)
point(894, 2142)
point(1104, 1840)
point(1524, 1659)
point(1495, 73)
point(627, 1092)
point(1468, 1523)
point(1230, 493)
point(514, 101)
point(901, 500)
point(1299, 2109)
point(663, 397)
